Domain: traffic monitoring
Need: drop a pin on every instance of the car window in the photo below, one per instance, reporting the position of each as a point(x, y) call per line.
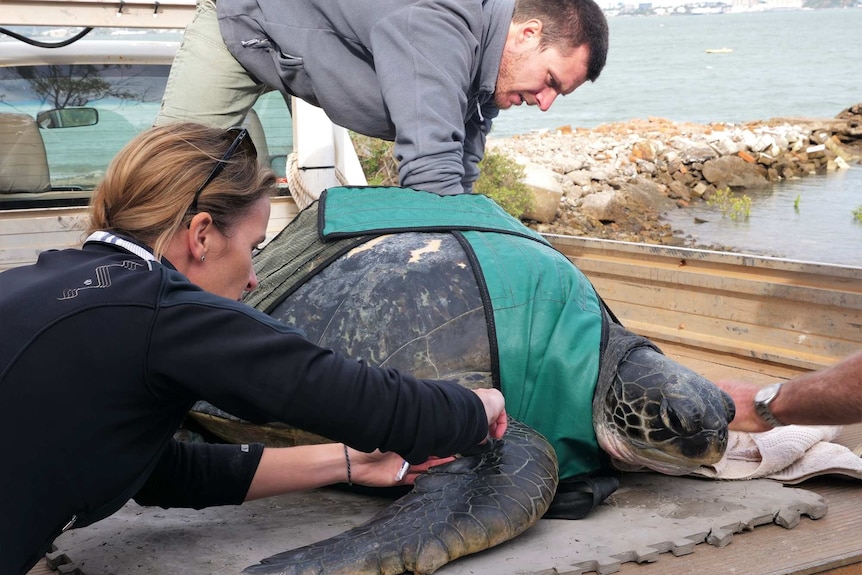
point(85, 113)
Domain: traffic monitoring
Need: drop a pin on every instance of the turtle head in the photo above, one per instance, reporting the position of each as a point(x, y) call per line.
point(656, 413)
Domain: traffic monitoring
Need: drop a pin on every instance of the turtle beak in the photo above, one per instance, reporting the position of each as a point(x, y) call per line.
point(729, 406)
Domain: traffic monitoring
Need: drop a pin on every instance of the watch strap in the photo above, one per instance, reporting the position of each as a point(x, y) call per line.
point(761, 404)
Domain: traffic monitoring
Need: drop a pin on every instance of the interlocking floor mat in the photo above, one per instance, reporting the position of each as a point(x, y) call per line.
point(650, 518)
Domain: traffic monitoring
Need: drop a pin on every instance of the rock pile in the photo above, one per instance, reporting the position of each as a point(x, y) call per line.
point(615, 181)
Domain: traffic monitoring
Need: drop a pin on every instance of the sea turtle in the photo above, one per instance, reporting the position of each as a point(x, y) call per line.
point(453, 288)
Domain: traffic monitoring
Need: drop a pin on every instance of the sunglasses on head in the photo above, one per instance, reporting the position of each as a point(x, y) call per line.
point(240, 138)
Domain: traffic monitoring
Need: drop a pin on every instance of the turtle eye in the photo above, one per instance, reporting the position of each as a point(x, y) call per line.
point(670, 419)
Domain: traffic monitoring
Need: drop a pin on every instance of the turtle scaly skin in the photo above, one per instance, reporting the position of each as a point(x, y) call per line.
point(653, 412)
point(458, 508)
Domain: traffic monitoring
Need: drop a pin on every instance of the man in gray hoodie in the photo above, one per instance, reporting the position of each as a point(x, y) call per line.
point(429, 74)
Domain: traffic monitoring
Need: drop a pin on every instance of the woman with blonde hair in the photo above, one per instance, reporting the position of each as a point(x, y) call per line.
point(106, 348)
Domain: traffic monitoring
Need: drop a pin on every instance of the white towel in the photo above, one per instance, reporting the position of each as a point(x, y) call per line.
point(790, 454)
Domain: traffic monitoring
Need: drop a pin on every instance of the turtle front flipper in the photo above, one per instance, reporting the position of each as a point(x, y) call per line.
point(456, 509)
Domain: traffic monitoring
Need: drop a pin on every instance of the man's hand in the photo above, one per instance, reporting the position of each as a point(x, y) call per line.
point(742, 393)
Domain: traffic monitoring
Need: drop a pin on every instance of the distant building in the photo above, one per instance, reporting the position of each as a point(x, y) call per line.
point(763, 5)
point(709, 8)
point(692, 7)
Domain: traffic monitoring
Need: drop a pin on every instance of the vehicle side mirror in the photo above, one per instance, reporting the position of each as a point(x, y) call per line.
point(67, 118)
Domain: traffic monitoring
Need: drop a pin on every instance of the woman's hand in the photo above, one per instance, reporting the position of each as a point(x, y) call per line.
point(495, 409)
point(286, 469)
point(379, 469)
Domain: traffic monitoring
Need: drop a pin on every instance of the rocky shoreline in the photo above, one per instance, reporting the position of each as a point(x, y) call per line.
point(615, 181)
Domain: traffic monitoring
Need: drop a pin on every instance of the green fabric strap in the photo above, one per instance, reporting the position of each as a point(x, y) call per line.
point(544, 304)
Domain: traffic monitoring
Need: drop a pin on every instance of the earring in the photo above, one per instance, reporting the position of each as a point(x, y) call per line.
point(203, 258)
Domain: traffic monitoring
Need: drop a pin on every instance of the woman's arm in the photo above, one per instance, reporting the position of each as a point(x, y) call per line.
point(282, 470)
point(199, 475)
point(256, 368)
point(309, 466)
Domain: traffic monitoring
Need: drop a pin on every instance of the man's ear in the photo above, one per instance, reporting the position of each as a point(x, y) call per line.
point(200, 236)
point(530, 31)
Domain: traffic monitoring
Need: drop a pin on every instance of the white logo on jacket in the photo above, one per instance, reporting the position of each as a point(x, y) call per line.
point(103, 278)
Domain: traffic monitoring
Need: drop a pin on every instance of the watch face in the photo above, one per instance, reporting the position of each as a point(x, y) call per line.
point(767, 393)
point(762, 399)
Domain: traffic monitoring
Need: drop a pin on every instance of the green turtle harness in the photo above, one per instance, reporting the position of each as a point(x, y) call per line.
point(536, 297)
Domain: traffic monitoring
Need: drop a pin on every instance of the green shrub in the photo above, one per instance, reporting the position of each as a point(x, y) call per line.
point(857, 213)
point(376, 159)
point(500, 178)
point(732, 206)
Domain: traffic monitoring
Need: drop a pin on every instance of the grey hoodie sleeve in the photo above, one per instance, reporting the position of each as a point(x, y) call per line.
point(477, 130)
point(425, 57)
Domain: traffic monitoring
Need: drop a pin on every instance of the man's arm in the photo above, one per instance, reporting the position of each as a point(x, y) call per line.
point(830, 396)
point(424, 56)
point(477, 130)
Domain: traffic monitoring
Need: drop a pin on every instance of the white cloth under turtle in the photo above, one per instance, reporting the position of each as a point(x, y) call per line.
point(790, 454)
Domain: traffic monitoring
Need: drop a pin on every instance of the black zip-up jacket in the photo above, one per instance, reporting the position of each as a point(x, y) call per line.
point(102, 354)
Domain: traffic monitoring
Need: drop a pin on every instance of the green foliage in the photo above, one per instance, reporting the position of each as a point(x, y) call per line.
point(857, 213)
point(502, 180)
point(376, 159)
point(730, 205)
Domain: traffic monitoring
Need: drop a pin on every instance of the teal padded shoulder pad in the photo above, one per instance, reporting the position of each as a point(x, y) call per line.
point(352, 211)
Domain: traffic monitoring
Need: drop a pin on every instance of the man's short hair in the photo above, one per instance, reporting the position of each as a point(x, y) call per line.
point(568, 24)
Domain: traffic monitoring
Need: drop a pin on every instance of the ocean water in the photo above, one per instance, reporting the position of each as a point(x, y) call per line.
point(782, 64)
point(807, 219)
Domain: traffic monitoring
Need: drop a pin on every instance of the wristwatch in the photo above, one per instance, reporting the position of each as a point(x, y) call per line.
point(762, 400)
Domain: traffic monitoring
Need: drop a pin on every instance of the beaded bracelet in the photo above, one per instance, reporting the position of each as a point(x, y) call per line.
point(347, 459)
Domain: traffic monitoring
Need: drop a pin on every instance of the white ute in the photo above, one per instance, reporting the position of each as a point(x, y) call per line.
point(66, 111)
